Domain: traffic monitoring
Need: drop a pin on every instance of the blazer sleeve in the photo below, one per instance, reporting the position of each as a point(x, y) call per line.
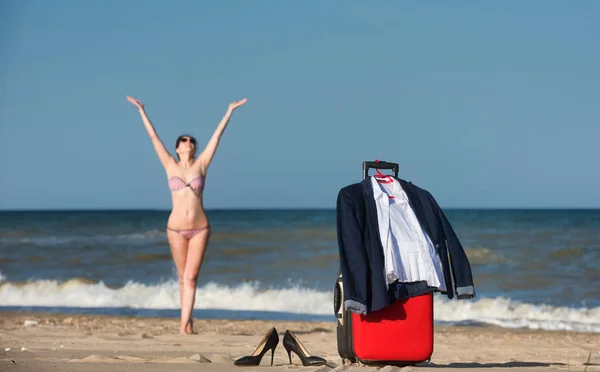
point(353, 260)
point(461, 268)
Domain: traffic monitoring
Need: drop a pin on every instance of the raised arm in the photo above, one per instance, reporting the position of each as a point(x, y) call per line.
point(159, 147)
point(208, 153)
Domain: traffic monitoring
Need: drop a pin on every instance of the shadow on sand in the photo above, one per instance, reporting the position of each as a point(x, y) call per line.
point(514, 364)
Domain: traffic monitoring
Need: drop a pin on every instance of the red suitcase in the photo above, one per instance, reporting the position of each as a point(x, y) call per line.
point(399, 334)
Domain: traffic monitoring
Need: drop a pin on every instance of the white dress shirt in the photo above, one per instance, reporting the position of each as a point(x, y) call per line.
point(409, 253)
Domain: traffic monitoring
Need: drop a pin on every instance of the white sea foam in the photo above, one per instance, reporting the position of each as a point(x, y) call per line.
point(59, 240)
point(246, 296)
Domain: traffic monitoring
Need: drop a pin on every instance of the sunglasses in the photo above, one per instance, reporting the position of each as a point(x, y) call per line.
point(192, 141)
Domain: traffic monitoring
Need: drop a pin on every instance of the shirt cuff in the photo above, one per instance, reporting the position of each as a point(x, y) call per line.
point(465, 292)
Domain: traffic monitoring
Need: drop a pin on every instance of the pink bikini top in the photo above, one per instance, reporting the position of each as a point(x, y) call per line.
point(177, 183)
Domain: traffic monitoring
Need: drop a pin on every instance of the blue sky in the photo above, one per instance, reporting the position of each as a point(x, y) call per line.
point(485, 104)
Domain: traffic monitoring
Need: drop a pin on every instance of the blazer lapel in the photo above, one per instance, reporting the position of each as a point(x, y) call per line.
point(371, 208)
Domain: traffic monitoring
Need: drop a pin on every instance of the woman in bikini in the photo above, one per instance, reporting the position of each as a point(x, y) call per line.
point(188, 230)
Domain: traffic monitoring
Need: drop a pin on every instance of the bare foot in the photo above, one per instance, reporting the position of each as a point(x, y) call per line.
point(189, 329)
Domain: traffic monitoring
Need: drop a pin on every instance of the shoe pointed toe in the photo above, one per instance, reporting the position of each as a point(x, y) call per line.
point(246, 361)
point(314, 361)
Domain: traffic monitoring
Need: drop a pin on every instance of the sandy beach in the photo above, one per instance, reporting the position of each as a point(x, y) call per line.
point(60, 342)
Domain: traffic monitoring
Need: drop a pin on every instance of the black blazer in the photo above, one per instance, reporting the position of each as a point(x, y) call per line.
point(361, 251)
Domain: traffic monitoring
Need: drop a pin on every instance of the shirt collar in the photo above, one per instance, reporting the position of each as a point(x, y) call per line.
point(396, 189)
point(377, 189)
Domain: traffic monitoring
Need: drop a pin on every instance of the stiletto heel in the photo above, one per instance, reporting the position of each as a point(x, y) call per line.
point(269, 342)
point(273, 353)
point(291, 343)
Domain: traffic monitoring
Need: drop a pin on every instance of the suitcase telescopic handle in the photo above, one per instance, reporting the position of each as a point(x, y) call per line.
point(380, 164)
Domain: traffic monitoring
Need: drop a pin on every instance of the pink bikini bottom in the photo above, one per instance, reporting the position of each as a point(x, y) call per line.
point(190, 233)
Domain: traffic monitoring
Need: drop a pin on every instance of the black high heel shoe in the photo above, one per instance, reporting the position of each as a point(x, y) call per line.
point(291, 343)
point(269, 342)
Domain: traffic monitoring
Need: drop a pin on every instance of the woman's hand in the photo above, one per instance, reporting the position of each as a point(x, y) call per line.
point(136, 102)
point(235, 104)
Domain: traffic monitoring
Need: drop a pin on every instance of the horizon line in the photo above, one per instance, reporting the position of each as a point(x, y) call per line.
point(225, 209)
